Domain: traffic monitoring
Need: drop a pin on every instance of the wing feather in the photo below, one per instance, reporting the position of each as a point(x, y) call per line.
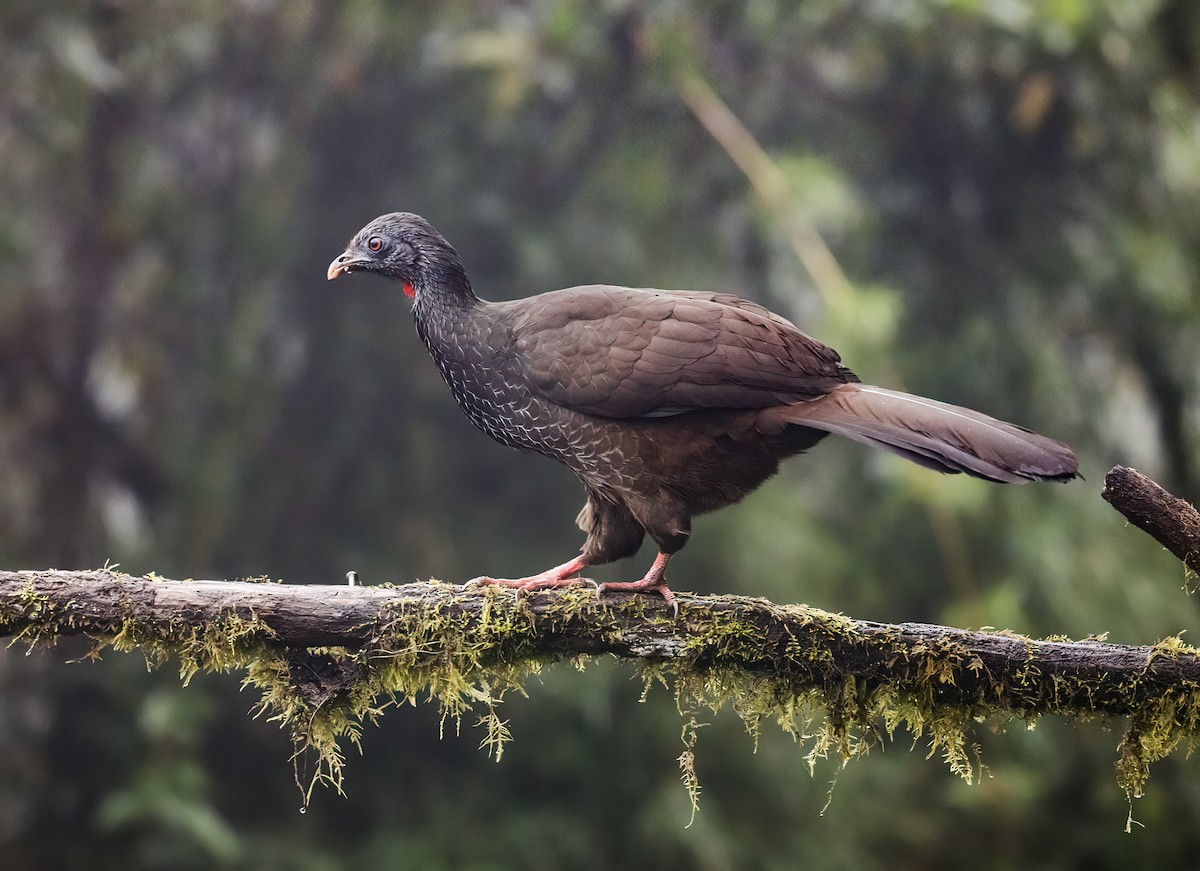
point(620, 352)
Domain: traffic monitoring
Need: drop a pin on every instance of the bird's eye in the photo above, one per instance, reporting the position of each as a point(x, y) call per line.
point(375, 244)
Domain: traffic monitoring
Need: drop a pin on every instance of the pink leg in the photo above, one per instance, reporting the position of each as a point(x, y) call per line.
point(559, 576)
point(653, 582)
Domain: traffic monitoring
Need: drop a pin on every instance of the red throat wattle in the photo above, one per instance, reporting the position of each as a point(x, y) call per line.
point(408, 289)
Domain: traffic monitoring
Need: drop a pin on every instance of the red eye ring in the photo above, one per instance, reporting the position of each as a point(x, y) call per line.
point(375, 244)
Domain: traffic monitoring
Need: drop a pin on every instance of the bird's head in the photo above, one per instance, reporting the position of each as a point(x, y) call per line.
point(405, 247)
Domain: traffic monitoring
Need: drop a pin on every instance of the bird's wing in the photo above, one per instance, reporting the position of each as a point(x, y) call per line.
point(619, 352)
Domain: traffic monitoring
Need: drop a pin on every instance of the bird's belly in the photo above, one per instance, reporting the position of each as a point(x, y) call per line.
point(706, 460)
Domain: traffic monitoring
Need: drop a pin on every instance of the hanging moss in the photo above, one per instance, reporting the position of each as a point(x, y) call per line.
point(837, 684)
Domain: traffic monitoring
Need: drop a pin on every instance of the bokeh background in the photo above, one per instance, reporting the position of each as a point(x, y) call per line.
point(993, 203)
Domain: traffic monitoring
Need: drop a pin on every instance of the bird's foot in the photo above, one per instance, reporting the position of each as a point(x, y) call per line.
point(559, 576)
point(528, 585)
point(645, 585)
point(653, 582)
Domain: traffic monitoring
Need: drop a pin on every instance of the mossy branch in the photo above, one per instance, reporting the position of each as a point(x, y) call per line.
point(328, 658)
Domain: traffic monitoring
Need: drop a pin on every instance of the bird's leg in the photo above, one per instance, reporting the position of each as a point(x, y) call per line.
point(559, 576)
point(653, 582)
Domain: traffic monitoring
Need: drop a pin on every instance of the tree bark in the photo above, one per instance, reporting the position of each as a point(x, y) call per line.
point(1171, 521)
point(959, 667)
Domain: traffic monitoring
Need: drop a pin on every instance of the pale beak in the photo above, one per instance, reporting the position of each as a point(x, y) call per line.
point(345, 262)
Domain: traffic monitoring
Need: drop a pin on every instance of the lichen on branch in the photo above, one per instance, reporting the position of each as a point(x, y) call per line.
point(329, 659)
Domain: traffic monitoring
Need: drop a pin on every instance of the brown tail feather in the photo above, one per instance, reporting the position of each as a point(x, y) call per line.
point(938, 435)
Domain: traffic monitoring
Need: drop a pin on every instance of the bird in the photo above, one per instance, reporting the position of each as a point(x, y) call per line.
point(664, 403)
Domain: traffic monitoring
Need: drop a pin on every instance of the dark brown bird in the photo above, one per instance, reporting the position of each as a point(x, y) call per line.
point(666, 404)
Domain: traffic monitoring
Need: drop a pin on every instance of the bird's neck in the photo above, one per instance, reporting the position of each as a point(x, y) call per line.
point(449, 295)
point(450, 319)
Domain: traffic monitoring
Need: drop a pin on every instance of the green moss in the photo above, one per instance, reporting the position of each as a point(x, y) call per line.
point(466, 662)
point(1159, 724)
point(806, 696)
point(36, 614)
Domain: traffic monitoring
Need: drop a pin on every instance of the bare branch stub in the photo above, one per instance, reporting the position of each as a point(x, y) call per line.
point(1169, 520)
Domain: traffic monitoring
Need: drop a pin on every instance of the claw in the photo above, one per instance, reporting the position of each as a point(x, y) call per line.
point(653, 582)
point(641, 587)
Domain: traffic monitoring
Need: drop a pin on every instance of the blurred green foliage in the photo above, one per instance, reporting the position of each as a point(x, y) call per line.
point(1012, 190)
